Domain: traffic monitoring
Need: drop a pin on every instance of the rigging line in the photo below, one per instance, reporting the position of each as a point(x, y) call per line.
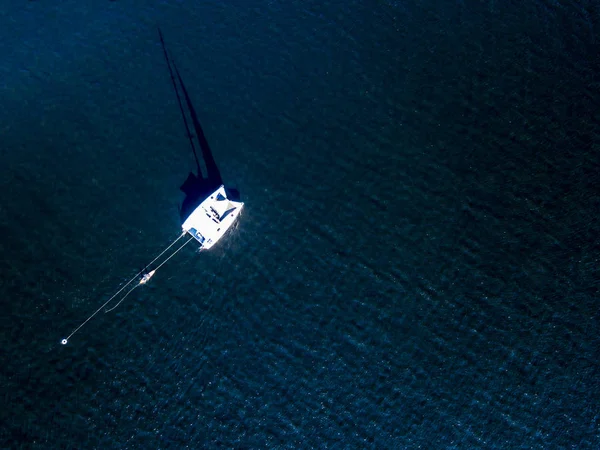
point(65, 340)
point(187, 128)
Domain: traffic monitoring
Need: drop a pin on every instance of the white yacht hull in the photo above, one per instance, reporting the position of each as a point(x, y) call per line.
point(209, 222)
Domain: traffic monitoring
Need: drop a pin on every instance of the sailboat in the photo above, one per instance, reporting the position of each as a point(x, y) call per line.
point(208, 211)
point(208, 221)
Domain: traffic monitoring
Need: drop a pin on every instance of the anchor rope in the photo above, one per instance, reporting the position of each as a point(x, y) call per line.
point(138, 285)
point(124, 297)
point(65, 340)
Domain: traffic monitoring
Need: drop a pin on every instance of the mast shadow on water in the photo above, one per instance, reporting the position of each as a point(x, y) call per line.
point(196, 187)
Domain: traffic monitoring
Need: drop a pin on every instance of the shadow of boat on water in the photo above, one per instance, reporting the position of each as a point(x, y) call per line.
point(196, 187)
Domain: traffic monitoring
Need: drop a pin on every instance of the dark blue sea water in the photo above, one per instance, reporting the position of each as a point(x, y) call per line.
point(417, 262)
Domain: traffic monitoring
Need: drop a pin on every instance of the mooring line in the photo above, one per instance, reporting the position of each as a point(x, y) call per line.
point(65, 340)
